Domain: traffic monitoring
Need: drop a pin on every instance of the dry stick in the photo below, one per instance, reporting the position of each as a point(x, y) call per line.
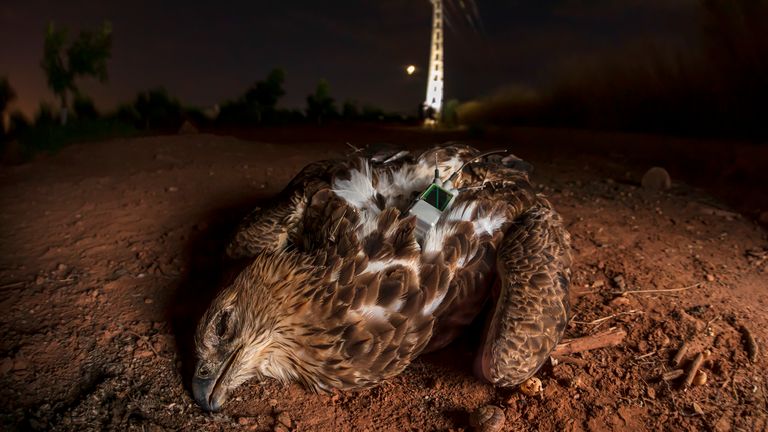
point(680, 354)
point(673, 374)
point(659, 290)
point(569, 359)
point(697, 361)
point(752, 348)
point(604, 339)
point(603, 319)
point(12, 285)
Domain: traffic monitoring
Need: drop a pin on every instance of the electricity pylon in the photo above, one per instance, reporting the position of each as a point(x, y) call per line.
point(434, 102)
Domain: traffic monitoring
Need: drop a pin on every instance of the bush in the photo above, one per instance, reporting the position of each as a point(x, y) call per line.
point(156, 109)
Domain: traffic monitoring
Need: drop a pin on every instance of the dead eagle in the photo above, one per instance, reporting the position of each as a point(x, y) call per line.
point(340, 293)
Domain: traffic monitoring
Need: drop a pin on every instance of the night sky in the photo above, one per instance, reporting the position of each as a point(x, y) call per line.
point(207, 54)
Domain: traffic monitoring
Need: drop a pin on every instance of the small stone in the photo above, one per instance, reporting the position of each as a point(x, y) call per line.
point(187, 128)
point(284, 419)
point(620, 301)
point(598, 284)
point(140, 354)
point(531, 387)
point(651, 392)
point(172, 189)
point(148, 300)
point(39, 280)
point(244, 421)
point(273, 402)
point(656, 178)
point(576, 382)
point(710, 278)
point(619, 282)
point(61, 268)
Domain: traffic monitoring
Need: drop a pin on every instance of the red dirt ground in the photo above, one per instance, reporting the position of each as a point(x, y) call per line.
point(111, 250)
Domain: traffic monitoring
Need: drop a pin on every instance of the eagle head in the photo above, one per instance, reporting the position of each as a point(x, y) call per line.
point(245, 332)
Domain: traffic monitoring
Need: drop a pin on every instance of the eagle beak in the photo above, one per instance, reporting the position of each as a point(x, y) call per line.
point(202, 389)
point(209, 386)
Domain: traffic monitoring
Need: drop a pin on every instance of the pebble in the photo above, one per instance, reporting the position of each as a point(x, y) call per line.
point(284, 419)
point(619, 281)
point(148, 300)
point(710, 278)
point(172, 189)
point(656, 178)
point(140, 354)
point(620, 301)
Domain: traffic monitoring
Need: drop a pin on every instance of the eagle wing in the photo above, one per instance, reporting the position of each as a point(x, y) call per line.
point(531, 308)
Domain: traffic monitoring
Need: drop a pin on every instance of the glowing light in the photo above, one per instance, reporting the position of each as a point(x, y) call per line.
point(410, 69)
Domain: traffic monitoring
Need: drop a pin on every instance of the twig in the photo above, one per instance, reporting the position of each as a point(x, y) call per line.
point(569, 359)
point(354, 149)
point(659, 290)
point(673, 375)
point(680, 354)
point(600, 320)
point(752, 348)
point(697, 361)
point(12, 285)
point(607, 338)
point(645, 355)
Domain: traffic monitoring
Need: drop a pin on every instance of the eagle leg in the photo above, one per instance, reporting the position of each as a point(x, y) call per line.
point(532, 310)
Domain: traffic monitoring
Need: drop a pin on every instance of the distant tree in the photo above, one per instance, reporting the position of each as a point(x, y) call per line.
point(44, 115)
point(262, 97)
point(372, 113)
point(7, 95)
point(84, 107)
point(450, 115)
point(85, 56)
point(157, 109)
point(320, 105)
point(18, 122)
point(350, 110)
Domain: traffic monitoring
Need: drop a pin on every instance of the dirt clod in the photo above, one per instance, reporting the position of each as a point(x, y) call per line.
point(284, 419)
point(656, 178)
